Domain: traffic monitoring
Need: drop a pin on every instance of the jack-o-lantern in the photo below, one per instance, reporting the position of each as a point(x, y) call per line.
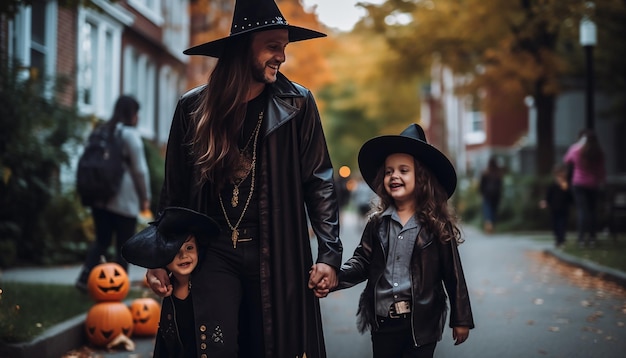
point(146, 313)
point(108, 282)
point(107, 320)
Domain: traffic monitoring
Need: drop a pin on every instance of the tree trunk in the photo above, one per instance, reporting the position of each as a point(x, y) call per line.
point(545, 131)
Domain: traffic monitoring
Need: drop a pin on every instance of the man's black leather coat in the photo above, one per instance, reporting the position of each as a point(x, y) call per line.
point(434, 264)
point(295, 172)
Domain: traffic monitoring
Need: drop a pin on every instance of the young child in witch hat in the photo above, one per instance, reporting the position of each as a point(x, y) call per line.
point(408, 251)
point(174, 242)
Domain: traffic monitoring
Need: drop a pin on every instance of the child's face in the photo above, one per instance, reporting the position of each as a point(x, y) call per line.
point(186, 259)
point(400, 177)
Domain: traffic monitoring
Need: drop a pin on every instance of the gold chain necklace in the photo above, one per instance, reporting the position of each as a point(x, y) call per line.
point(244, 165)
point(235, 228)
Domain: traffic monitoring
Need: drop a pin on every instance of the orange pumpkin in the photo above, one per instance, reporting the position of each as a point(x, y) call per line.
point(108, 282)
point(107, 320)
point(146, 314)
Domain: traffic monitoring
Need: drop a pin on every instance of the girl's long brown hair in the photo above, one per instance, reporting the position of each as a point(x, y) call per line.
point(432, 209)
point(220, 113)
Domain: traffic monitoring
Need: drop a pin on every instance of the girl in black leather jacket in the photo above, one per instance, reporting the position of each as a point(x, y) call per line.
point(408, 251)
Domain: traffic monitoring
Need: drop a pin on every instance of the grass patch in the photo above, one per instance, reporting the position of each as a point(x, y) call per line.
point(28, 309)
point(608, 252)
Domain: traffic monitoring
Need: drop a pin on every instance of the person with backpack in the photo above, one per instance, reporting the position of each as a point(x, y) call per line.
point(115, 215)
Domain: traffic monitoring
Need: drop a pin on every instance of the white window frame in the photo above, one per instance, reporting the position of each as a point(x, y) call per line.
point(20, 40)
point(474, 136)
point(151, 9)
point(140, 81)
point(105, 84)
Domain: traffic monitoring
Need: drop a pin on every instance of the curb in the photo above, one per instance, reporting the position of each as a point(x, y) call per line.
point(54, 342)
point(595, 269)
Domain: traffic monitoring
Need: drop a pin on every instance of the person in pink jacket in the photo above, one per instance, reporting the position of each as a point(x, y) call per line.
point(586, 157)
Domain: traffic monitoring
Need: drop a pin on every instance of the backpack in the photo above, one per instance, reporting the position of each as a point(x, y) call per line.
point(101, 166)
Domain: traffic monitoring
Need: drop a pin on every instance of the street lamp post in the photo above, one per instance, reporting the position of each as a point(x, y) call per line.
point(588, 41)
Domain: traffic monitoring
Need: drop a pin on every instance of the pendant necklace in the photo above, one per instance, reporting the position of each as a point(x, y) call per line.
point(235, 228)
point(245, 164)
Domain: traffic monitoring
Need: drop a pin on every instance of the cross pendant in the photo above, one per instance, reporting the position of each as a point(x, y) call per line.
point(235, 237)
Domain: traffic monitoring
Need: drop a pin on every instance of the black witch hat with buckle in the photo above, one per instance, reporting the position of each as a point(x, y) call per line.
point(250, 16)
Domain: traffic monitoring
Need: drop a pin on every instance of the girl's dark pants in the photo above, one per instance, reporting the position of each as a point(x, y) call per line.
point(559, 226)
point(393, 339)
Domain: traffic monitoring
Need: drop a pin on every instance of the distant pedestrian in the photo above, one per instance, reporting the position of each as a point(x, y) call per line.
point(175, 241)
point(589, 174)
point(408, 251)
point(490, 188)
point(362, 198)
point(558, 199)
point(117, 217)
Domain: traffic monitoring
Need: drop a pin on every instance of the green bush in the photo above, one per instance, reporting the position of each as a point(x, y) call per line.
point(519, 207)
point(36, 132)
point(156, 165)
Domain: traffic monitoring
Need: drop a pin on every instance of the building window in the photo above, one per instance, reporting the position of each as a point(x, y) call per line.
point(99, 41)
point(151, 9)
point(475, 122)
point(32, 39)
point(140, 81)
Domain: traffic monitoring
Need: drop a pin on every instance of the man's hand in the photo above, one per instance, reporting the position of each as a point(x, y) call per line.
point(159, 282)
point(322, 278)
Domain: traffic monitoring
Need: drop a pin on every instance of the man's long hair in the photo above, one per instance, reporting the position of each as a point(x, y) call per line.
point(220, 114)
point(431, 203)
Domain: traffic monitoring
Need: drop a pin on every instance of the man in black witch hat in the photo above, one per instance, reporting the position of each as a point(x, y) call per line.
point(248, 150)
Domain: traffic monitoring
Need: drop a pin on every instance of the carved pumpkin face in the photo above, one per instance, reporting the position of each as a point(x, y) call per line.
point(146, 314)
point(108, 282)
point(107, 320)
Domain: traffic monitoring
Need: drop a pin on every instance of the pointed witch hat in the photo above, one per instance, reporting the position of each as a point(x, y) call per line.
point(250, 16)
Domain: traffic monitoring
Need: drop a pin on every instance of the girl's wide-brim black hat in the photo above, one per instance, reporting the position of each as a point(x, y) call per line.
point(158, 244)
point(411, 141)
point(250, 16)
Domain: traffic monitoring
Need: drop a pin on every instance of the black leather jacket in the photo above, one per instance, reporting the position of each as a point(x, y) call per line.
point(434, 264)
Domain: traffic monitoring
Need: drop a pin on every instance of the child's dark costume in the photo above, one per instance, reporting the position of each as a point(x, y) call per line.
point(155, 247)
point(428, 314)
point(559, 201)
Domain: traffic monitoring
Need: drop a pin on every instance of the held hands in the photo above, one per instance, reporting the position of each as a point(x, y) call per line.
point(460, 334)
point(159, 282)
point(322, 278)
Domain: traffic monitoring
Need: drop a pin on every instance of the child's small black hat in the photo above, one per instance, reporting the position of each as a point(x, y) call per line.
point(158, 244)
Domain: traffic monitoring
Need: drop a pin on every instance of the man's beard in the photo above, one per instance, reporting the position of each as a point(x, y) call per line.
point(258, 73)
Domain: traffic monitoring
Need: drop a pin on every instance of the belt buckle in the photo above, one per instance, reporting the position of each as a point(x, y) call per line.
point(399, 309)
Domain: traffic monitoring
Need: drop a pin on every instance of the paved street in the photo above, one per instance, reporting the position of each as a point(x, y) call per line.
point(526, 304)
